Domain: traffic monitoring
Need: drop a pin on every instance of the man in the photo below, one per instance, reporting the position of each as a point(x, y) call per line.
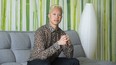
point(50, 41)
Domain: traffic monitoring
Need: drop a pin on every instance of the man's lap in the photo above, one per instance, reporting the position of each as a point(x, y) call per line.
point(65, 61)
point(57, 61)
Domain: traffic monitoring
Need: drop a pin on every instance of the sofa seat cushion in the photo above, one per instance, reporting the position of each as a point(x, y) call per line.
point(24, 63)
point(11, 63)
point(106, 63)
point(86, 61)
point(6, 55)
point(89, 64)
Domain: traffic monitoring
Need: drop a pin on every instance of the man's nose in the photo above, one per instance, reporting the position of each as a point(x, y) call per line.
point(57, 16)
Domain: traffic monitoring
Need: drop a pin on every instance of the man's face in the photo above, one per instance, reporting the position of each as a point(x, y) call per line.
point(55, 16)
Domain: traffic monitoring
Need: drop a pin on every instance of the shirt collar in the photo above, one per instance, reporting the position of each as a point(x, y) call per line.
point(51, 28)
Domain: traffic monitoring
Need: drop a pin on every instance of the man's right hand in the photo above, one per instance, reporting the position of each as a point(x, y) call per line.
point(63, 40)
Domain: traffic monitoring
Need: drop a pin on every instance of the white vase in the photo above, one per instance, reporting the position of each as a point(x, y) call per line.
point(88, 30)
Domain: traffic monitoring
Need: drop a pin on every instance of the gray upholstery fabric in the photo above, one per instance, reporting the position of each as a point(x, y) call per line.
point(106, 63)
point(20, 41)
point(21, 55)
point(5, 42)
point(78, 52)
point(11, 63)
point(6, 55)
point(75, 40)
point(31, 36)
point(74, 37)
point(15, 48)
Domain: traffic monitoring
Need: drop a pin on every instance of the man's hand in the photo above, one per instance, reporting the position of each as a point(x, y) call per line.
point(63, 40)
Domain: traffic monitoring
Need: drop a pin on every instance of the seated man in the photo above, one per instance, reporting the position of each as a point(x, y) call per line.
point(50, 41)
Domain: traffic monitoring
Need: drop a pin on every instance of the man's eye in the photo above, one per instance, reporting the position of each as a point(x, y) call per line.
point(59, 14)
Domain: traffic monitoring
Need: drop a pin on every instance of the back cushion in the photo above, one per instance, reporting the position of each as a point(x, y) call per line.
point(6, 54)
point(75, 40)
point(21, 45)
point(15, 46)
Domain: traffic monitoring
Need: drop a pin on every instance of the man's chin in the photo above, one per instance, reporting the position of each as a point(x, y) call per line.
point(55, 22)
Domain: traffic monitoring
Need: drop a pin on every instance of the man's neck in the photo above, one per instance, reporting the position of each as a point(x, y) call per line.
point(54, 26)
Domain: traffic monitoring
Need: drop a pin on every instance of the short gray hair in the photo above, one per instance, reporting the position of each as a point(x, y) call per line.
point(55, 6)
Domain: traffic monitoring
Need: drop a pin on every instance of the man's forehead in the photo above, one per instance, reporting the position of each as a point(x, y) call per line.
point(56, 10)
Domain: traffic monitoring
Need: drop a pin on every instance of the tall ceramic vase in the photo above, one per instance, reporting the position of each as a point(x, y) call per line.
point(88, 30)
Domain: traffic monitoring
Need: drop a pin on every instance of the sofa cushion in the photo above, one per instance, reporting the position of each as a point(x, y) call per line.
point(24, 63)
point(20, 41)
point(74, 37)
point(6, 55)
point(21, 55)
point(15, 46)
point(21, 45)
point(31, 36)
point(86, 61)
point(106, 63)
point(11, 63)
point(5, 42)
point(78, 52)
point(75, 40)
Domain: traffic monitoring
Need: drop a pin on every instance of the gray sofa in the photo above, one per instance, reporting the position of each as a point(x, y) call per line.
point(15, 48)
